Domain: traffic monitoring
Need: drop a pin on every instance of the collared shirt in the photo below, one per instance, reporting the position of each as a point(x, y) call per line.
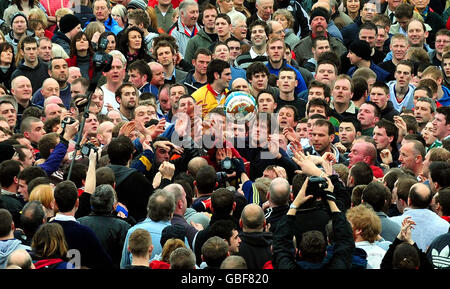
point(253, 54)
point(64, 218)
point(8, 193)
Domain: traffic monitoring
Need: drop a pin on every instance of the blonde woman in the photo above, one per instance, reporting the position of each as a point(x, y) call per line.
point(44, 194)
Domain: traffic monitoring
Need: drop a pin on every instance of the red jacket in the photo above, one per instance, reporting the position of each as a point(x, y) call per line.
point(73, 62)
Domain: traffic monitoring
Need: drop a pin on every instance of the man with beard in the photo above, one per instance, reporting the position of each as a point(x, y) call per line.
point(127, 97)
point(319, 22)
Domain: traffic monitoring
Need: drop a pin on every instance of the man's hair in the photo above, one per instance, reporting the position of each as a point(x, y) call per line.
point(185, 4)
point(376, 109)
point(78, 174)
point(29, 40)
point(66, 195)
point(328, 57)
point(429, 100)
point(404, 184)
point(411, 123)
point(120, 150)
point(25, 125)
point(376, 195)
point(405, 257)
point(256, 67)
point(391, 129)
point(443, 198)
point(406, 63)
point(6, 222)
point(216, 65)
point(182, 258)
point(223, 229)
point(47, 143)
point(362, 173)
point(140, 17)
point(234, 262)
point(293, 108)
point(32, 217)
point(279, 191)
point(346, 77)
point(139, 242)
point(162, 43)
point(9, 169)
point(445, 110)
point(123, 85)
point(324, 122)
point(105, 176)
point(38, 181)
point(224, 16)
point(365, 219)
point(364, 72)
point(318, 38)
point(319, 102)
point(439, 154)
point(313, 246)
point(141, 66)
point(31, 173)
point(206, 179)
point(202, 51)
point(259, 23)
point(103, 199)
point(214, 251)
point(417, 200)
point(369, 25)
point(440, 172)
point(253, 221)
point(326, 88)
point(356, 123)
point(404, 10)
point(222, 201)
point(161, 206)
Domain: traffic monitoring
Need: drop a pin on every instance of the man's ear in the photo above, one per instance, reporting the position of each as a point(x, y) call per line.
point(241, 224)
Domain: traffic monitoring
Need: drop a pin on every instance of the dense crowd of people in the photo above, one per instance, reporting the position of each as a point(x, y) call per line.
point(119, 147)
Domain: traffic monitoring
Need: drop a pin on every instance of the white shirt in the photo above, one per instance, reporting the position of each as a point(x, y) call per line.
point(109, 97)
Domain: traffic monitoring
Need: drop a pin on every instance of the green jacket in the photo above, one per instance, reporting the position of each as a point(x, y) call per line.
point(201, 40)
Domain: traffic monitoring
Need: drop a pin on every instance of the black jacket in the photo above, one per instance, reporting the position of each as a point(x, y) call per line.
point(133, 190)
point(274, 215)
point(110, 230)
point(283, 248)
point(255, 248)
point(389, 112)
point(386, 263)
point(36, 75)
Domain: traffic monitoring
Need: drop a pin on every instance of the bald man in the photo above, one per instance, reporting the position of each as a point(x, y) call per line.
point(20, 258)
point(104, 132)
point(428, 224)
point(157, 75)
point(240, 84)
point(412, 155)
point(74, 73)
point(362, 151)
point(195, 164)
point(22, 91)
point(53, 110)
point(49, 87)
point(52, 99)
point(256, 244)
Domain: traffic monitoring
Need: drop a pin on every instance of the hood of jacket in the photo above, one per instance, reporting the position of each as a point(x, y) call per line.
point(121, 172)
point(257, 239)
point(6, 248)
point(23, 67)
